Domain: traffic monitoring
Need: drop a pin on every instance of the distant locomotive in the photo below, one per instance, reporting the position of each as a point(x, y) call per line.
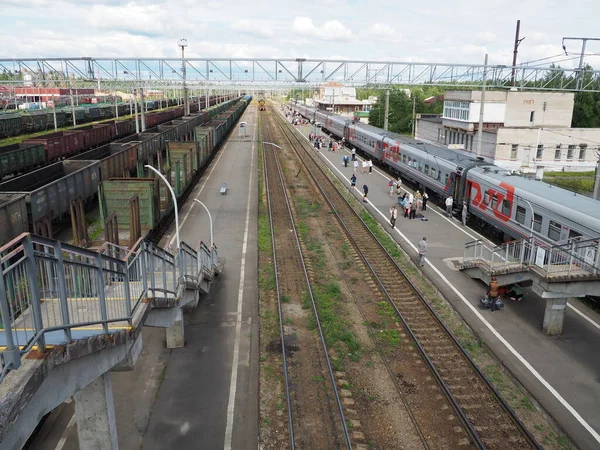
point(261, 104)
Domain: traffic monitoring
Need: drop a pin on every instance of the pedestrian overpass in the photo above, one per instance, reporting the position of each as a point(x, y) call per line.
point(70, 316)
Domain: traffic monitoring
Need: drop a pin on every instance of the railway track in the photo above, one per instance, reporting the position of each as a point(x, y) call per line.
point(315, 414)
point(485, 416)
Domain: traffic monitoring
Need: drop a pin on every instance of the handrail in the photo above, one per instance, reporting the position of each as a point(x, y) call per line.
point(47, 285)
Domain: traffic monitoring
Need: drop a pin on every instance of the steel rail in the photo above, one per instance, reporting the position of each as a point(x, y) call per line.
point(429, 362)
point(281, 331)
point(314, 305)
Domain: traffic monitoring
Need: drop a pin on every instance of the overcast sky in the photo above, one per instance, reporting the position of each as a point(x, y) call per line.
point(432, 31)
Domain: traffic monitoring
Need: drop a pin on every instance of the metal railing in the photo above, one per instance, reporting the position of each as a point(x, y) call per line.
point(53, 293)
point(578, 257)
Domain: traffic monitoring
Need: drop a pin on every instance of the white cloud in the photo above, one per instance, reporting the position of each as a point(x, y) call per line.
point(332, 30)
point(252, 27)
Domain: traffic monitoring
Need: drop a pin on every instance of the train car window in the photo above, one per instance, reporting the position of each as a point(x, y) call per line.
point(404, 159)
point(506, 207)
point(421, 166)
point(409, 161)
point(537, 222)
point(494, 201)
point(433, 172)
point(574, 234)
point(446, 179)
point(426, 169)
point(486, 197)
point(554, 230)
point(439, 177)
point(520, 216)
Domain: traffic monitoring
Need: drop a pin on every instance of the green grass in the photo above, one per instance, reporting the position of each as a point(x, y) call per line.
point(575, 181)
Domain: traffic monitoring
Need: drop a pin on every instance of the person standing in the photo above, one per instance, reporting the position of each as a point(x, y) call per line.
point(449, 202)
point(493, 293)
point(355, 165)
point(464, 213)
point(393, 216)
point(391, 186)
point(364, 166)
point(425, 198)
point(419, 199)
point(399, 186)
point(366, 192)
point(370, 164)
point(413, 209)
point(353, 152)
point(353, 180)
point(422, 247)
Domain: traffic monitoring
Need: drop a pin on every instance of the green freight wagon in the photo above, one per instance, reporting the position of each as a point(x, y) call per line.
point(184, 160)
point(34, 120)
point(116, 196)
point(13, 217)
point(10, 124)
point(60, 118)
point(17, 158)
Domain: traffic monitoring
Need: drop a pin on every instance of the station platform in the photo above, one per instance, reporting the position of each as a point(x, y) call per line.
point(561, 372)
point(203, 395)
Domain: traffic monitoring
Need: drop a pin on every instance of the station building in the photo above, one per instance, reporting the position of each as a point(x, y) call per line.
point(341, 100)
point(521, 130)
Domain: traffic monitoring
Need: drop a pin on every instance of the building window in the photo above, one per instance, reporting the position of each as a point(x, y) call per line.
point(554, 230)
point(582, 149)
point(570, 151)
point(456, 110)
point(537, 222)
point(513, 152)
point(520, 216)
point(506, 207)
point(557, 155)
point(540, 152)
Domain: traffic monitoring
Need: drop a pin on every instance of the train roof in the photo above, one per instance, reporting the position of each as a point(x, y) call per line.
point(455, 156)
point(557, 195)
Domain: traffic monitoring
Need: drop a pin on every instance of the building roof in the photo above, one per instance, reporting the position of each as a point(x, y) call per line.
point(343, 101)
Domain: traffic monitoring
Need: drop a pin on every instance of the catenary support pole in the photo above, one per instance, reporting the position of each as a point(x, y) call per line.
point(142, 110)
point(135, 109)
point(515, 52)
point(387, 110)
point(597, 183)
point(480, 128)
point(414, 116)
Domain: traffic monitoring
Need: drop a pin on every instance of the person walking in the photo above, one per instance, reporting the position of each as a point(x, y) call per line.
point(391, 186)
point(449, 202)
point(393, 216)
point(364, 166)
point(366, 192)
point(419, 199)
point(464, 213)
point(413, 209)
point(355, 165)
point(353, 180)
point(370, 164)
point(422, 247)
point(353, 153)
point(425, 198)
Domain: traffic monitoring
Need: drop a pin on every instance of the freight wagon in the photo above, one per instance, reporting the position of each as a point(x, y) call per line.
point(17, 158)
point(49, 190)
point(116, 160)
point(60, 144)
point(13, 217)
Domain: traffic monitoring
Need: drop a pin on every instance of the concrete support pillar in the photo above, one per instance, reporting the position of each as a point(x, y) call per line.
point(175, 333)
point(554, 316)
point(95, 415)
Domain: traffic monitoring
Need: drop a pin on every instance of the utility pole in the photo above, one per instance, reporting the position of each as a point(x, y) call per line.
point(72, 107)
point(580, 68)
point(597, 183)
point(387, 110)
point(135, 108)
point(414, 116)
point(183, 45)
point(515, 52)
point(480, 128)
point(142, 108)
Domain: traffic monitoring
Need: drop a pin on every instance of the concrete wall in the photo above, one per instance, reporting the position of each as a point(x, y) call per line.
point(430, 131)
point(520, 105)
point(528, 139)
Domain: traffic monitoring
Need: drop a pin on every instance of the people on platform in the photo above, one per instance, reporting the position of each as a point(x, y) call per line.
point(366, 192)
point(449, 203)
point(422, 247)
point(425, 198)
point(464, 213)
point(393, 216)
point(353, 180)
point(370, 164)
point(493, 293)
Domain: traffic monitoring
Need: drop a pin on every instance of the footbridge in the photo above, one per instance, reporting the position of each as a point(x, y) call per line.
point(554, 272)
point(70, 316)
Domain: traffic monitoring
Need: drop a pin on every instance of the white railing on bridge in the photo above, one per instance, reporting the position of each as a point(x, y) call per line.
point(53, 293)
point(576, 258)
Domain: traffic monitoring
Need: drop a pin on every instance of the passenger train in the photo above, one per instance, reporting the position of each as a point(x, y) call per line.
point(511, 205)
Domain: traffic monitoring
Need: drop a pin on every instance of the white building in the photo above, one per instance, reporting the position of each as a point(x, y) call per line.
point(521, 130)
point(341, 100)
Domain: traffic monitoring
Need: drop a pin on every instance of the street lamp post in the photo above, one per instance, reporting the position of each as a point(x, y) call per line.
point(211, 222)
point(274, 145)
point(174, 200)
point(532, 215)
point(183, 44)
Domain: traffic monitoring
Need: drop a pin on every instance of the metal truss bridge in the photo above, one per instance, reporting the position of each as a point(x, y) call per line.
point(251, 73)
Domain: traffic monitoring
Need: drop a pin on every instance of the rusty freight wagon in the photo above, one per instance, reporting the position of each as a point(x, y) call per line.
point(49, 190)
point(59, 145)
point(116, 160)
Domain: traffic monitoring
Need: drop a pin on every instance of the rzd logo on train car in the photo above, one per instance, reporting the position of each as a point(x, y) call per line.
point(480, 201)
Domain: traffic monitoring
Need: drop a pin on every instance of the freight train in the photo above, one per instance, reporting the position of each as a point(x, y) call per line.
point(34, 201)
point(14, 123)
point(261, 104)
point(510, 205)
point(51, 147)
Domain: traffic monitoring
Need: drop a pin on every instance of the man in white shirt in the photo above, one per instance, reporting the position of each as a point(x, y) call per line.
point(449, 202)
